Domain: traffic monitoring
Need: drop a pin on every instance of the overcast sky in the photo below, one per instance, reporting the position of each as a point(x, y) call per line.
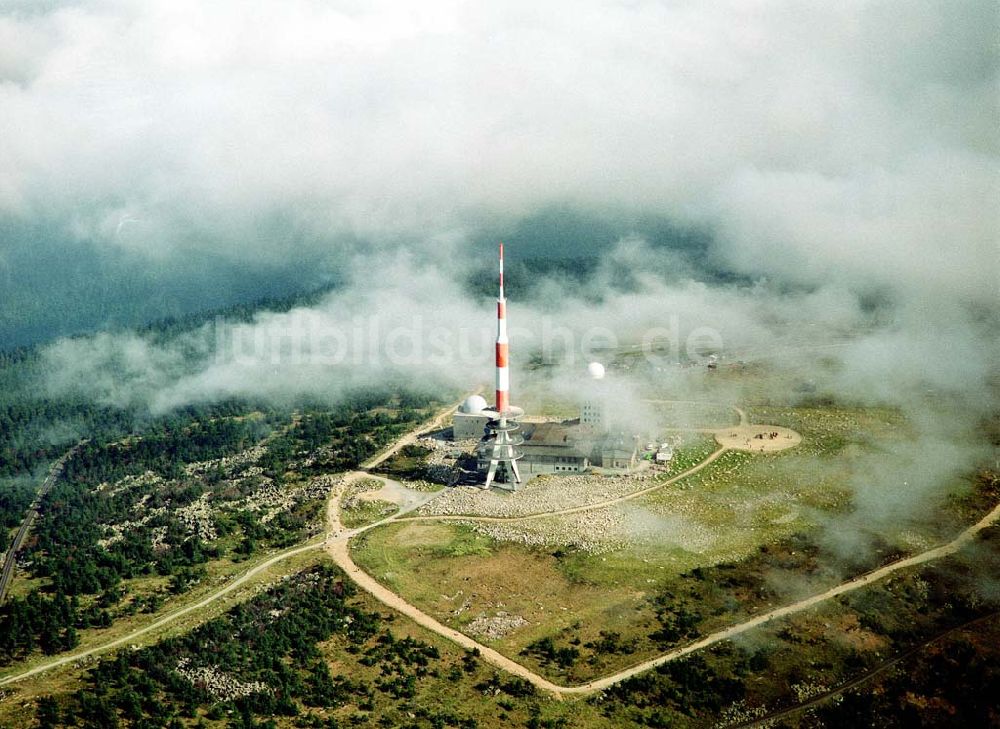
point(818, 141)
point(769, 169)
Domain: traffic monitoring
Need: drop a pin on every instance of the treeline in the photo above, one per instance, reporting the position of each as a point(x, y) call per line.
point(172, 326)
point(954, 687)
point(34, 431)
point(955, 684)
point(16, 495)
point(341, 439)
point(37, 622)
point(37, 430)
point(66, 545)
point(48, 620)
point(676, 692)
point(259, 660)
point(164, 449)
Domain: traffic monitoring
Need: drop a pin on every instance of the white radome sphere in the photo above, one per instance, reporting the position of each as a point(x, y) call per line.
point(474, 404)
point(595, 370)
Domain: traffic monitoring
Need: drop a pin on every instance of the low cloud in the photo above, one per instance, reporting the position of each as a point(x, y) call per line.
point(787, 176)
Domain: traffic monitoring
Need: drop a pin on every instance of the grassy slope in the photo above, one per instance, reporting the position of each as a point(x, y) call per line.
point(732, 508)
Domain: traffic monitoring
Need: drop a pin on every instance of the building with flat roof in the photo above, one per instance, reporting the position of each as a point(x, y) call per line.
point(552, 448)
point(566, 448)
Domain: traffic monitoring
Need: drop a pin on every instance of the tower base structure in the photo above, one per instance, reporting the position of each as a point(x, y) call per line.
point(504, 452)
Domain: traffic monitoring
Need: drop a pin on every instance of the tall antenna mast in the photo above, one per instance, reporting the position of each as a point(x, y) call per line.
point(506, 440)
point(503, 371)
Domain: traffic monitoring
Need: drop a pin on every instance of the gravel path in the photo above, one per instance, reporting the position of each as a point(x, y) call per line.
point(337, 544)
point(597, 504)
point(858, 582)
point(339, 550)
point(395, 492)
point(542, 495)
point(411, 436)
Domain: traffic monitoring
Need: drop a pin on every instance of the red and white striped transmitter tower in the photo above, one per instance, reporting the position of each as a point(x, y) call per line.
point(503, 371)
point(503, 459)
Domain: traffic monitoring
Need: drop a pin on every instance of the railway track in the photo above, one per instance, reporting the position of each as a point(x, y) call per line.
point(10, 558)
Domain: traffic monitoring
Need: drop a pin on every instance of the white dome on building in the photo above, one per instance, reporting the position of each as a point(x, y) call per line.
point(473, 404)
point(595, 370)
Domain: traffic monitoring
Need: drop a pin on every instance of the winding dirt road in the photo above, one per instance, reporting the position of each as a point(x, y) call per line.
point(410, 437)
point(340, 551)
point(314, 543)
point(858, 582)
point(160, 622)
point(337, 544)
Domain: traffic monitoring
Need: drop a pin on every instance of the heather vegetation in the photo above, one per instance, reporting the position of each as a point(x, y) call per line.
point(146, 507)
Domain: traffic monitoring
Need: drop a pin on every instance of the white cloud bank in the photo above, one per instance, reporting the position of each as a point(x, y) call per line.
point(852, 141)
point(837, 151)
